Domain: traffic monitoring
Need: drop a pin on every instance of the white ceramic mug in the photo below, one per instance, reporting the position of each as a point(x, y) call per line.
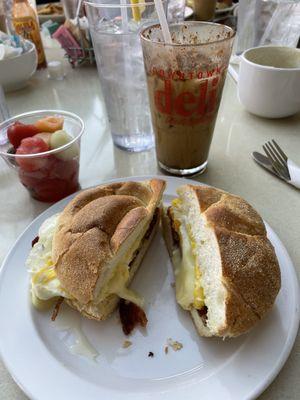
point(269, 81)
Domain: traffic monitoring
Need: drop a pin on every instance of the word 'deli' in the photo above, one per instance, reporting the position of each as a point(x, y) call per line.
point(185, 99)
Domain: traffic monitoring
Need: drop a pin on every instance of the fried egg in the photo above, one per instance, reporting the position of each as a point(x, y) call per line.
point(189, 291)
point(44, 282)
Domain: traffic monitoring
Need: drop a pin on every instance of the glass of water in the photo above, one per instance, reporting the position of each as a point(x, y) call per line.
point(115, 28)
point(176, 9)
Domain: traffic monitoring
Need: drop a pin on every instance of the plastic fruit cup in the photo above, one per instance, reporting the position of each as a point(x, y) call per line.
point(52, 175)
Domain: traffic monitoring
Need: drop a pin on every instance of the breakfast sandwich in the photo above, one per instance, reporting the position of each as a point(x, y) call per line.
point(226, 271)
point(88, 254)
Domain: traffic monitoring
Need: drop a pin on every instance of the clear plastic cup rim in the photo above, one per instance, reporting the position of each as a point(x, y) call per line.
point(7, 122)
point(119, 5)
point(188, 23)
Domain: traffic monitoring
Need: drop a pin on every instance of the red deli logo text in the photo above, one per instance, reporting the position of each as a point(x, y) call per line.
point(187, 108)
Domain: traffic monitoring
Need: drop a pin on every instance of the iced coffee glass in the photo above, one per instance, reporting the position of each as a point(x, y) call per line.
point(185, 81)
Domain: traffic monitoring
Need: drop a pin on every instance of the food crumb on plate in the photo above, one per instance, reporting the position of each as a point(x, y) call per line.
point(127, 343)
point(166, 349)
point(150, 354)
point(174, 344)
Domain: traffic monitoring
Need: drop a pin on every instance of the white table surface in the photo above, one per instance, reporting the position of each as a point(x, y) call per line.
point(231, 168)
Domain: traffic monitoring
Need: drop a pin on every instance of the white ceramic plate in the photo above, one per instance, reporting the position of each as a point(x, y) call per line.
point(225, 10)
point(188, 12)
point(36, 354)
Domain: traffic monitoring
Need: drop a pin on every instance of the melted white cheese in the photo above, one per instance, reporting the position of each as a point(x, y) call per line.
point(117, 285)
point(189, 292)
point(79, 344)
point(184, 272)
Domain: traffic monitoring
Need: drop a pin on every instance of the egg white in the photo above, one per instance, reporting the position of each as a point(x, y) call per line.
point(44, 282)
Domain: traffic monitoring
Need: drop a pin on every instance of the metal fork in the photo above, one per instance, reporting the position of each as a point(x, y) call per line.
point(278, 159)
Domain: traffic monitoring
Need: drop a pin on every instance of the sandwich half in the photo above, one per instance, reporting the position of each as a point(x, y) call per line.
point(226, 271)
point(89, 253)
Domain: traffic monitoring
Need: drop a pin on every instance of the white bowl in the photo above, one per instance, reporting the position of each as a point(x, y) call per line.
point(16, 71)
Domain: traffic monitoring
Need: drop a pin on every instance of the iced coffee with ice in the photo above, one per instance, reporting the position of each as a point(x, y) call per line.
point(185, 82)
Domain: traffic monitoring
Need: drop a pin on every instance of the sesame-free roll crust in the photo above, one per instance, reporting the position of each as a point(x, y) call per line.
point(98, 229)
point(250, 268)
point(251, 275)
point(228, 211)
point(240, 271)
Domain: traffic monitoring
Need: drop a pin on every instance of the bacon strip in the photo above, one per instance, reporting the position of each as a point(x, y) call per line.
point(152, 223)
point(131, 315)
point(203, 314)
point(35, 240)
point(56, 308)
point(146, 236)
point(175, 236)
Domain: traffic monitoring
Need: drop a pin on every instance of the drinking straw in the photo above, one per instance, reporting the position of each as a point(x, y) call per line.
point(126, 51)
point(78, 10)
point(124, 16)
point(163, 21)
